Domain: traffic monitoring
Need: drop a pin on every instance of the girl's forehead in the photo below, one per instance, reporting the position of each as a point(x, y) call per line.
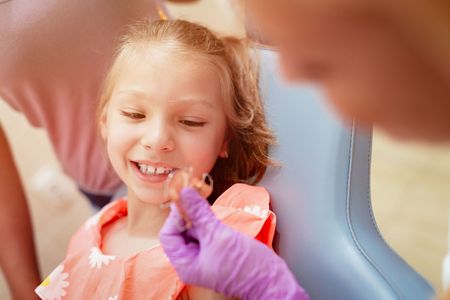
point(158, 65)
point(168, 76)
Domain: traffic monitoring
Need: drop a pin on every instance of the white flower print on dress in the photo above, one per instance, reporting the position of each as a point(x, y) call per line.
point(52, 288)
point(112, 298)
point(97, 259)
point(257, 211)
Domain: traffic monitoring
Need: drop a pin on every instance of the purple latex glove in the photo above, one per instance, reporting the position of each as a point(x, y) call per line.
point(213, 255)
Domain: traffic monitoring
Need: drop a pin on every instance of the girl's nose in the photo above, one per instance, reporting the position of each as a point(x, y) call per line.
point(157, 137)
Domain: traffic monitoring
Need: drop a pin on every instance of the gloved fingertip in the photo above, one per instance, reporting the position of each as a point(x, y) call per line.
point(198, 211)
point(189, 192)
point(191, 200)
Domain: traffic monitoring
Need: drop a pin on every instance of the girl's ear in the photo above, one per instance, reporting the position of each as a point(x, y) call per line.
point(224, 149)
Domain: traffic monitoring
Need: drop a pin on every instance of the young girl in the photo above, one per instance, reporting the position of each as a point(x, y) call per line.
point(176, 96)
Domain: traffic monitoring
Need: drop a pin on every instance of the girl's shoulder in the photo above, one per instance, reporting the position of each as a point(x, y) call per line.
point(246, 209)
point(242, 195)
point(89, 234)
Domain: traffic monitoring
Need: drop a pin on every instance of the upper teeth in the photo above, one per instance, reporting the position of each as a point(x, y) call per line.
point(150, 170)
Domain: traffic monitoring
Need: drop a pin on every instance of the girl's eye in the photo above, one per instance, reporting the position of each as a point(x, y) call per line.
point(191, 123)
point(132, 115)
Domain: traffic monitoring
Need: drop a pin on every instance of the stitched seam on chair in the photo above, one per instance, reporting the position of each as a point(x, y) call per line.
point(349, 222)
point(369, 200)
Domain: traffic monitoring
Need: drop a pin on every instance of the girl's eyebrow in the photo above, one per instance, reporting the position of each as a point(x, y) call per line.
point(182, 100)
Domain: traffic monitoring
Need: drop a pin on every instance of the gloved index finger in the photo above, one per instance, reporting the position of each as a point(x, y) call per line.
point(197, 209)
point(187, 221)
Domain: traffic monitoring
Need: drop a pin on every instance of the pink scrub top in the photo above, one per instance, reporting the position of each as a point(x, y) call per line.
point(87, 273)
point(53, 59)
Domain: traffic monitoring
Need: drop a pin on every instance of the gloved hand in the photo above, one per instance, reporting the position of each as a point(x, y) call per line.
point(212, 255)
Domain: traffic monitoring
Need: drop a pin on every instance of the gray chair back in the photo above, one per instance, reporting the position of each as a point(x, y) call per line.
point(321, 195)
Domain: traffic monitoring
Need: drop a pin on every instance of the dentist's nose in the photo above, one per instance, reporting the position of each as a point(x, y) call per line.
point(157, 136)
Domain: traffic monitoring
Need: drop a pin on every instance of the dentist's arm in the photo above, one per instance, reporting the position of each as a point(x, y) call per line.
point(212, 255)
point(17, 256)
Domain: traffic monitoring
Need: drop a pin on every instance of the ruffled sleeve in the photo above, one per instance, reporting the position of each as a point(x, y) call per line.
point(246, 209)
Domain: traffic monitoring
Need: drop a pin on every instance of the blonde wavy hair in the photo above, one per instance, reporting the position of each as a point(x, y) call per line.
point(248, 134)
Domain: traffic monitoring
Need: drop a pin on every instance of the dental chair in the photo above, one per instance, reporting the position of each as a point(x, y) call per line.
point(326, 231)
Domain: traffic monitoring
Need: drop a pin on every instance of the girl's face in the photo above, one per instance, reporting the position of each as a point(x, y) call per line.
point(165, 112)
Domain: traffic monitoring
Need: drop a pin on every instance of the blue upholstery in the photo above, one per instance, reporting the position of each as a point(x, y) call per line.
point(321, 195)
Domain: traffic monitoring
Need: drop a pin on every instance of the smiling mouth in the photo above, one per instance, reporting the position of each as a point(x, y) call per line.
point(152, 170)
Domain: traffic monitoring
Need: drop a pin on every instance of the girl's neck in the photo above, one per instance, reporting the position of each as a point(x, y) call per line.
point(145, 219)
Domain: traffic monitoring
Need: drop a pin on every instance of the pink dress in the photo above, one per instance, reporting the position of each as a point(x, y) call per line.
point(87, 273)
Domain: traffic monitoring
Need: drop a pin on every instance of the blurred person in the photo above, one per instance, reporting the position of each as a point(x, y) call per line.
point(385, 63)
